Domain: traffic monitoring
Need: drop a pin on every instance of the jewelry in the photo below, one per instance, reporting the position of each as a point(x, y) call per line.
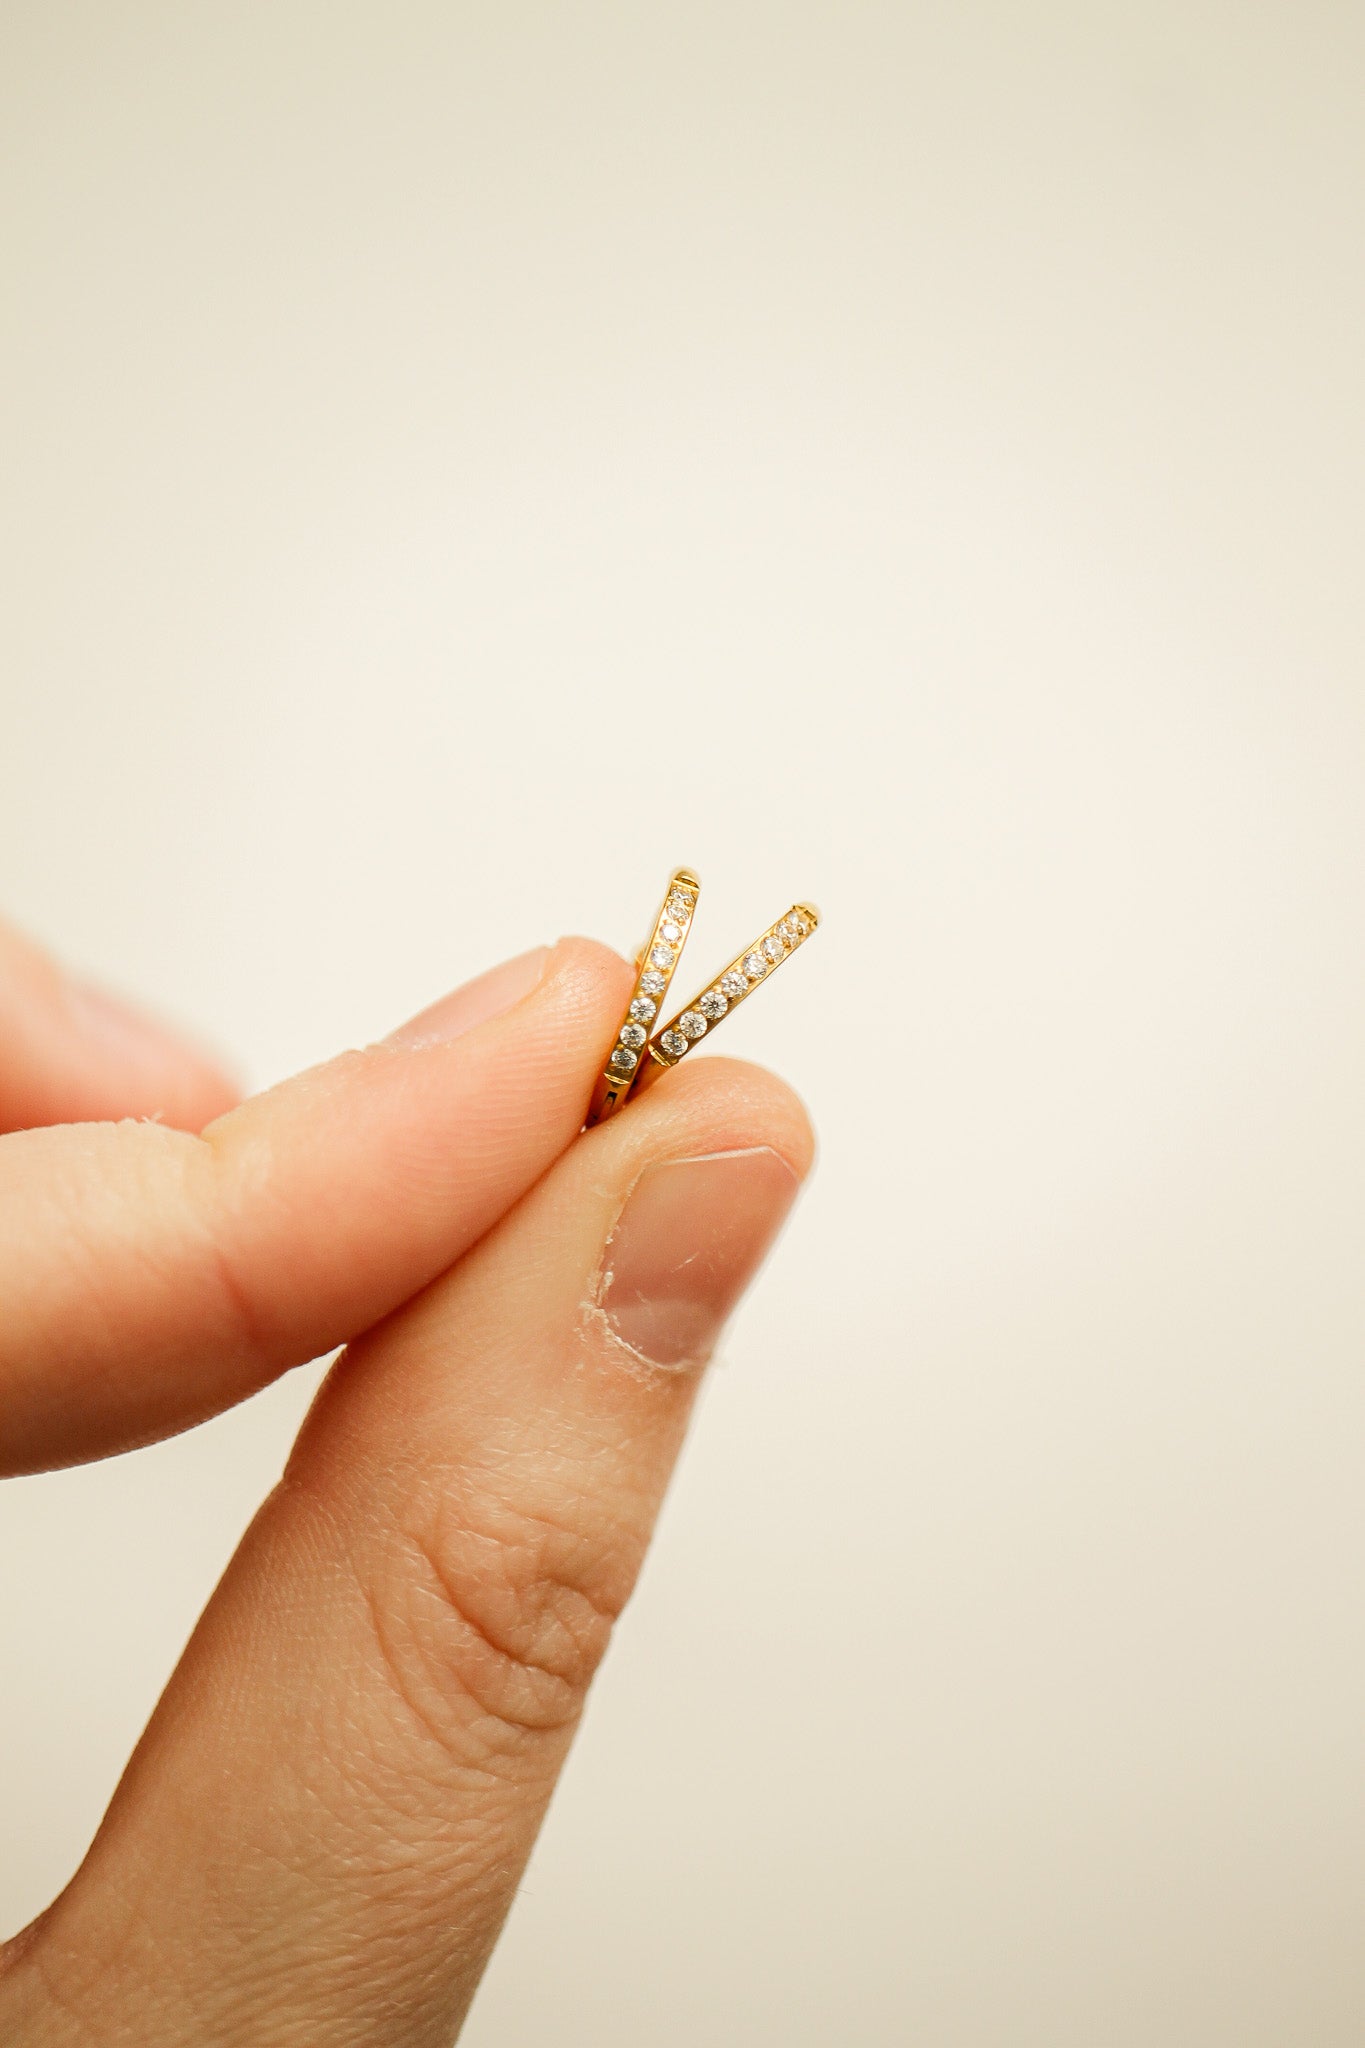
point(654, 965)
point(732, 985)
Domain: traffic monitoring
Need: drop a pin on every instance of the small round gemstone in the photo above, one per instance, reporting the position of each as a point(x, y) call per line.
point(643, 1010)
point(712, 1004)
point(623, 1058)
point(674, 1043)
point(787, 930)
point(679, 907)
point(755, 966)
point(633, 1035)
point(692, 1024)
point(652, 982)
point(670, 930)
point(773, 946)
point(801, 925)
point(733, 983)
point(662, 956)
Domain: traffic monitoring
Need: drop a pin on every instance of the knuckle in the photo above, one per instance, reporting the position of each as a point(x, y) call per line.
point(496, 1615)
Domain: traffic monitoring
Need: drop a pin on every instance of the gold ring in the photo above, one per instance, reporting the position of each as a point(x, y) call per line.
point(757, 963)
point(654, 967)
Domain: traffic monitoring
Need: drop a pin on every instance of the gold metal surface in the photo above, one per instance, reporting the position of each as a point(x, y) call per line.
point(654, 968)
point(733, 985)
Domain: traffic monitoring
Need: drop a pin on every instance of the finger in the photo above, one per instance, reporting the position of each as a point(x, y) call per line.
point(322, 1830)
point(69, 1053)
point(150, 1278)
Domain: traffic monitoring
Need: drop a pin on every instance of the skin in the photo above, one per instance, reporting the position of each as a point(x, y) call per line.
point(322, 1829)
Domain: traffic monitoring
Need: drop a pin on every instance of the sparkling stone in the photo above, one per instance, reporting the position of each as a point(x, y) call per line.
point(670, 930)
point(712, 1004)
point(674, 1044)
point(801, 925)
point(653, 983)
point(774, 947)
point(623, 1058)
point(692, 1024)
point(633, 1035)
point(643, 1010)
point(755, 966)
point(679, 907)
point(662, 956)
point(733, 983)
point(787, 930)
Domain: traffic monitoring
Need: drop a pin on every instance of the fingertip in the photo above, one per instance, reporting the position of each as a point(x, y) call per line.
point(721, 1104)
point(580, 977)
point(603, 979)
point(411, 1148)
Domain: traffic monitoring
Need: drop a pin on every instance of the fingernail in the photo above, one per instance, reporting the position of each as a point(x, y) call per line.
point(487, 996)
point(691, 1237)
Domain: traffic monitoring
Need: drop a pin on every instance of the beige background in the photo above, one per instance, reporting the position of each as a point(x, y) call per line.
point(459, 460)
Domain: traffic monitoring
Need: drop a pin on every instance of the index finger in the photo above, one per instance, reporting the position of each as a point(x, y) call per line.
point(150, 1278)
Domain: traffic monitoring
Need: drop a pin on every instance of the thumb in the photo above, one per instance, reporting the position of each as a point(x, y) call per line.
point(323, 1828)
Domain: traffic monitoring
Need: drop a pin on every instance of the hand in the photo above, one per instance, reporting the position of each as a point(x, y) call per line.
point(322, 1828)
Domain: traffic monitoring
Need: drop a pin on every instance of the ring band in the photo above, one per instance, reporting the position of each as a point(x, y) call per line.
point(754, 965)
point(654, 967)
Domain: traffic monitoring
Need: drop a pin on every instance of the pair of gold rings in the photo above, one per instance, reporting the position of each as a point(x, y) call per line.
point(637, 1056)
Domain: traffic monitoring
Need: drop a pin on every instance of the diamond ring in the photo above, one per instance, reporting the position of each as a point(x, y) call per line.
point(654, 967)
point(627, 1067)
point(755, 964)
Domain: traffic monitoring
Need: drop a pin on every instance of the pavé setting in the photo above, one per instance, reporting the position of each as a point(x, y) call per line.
point(653, 971)
point(626, 1067)
point(732, 985)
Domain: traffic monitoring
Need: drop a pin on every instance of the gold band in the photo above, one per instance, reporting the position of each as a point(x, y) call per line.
point(754, 965)
point(654, 966)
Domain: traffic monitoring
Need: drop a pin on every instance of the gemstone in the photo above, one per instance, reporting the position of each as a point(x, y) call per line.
point(634, 1035)
point(773, 946)
point(692, 1023)
point(652, 982)
point(733, 983)
point(670, 930)
point(662, 956)
point(755, 966)
point(800, 925)
point(674, 1044)
point(679, 907)
point(712, 1004)
point(642, 1010)
point(787, 930)
point(624, 1058)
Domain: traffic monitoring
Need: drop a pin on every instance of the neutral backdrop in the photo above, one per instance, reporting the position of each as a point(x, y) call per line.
point(460, 460)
